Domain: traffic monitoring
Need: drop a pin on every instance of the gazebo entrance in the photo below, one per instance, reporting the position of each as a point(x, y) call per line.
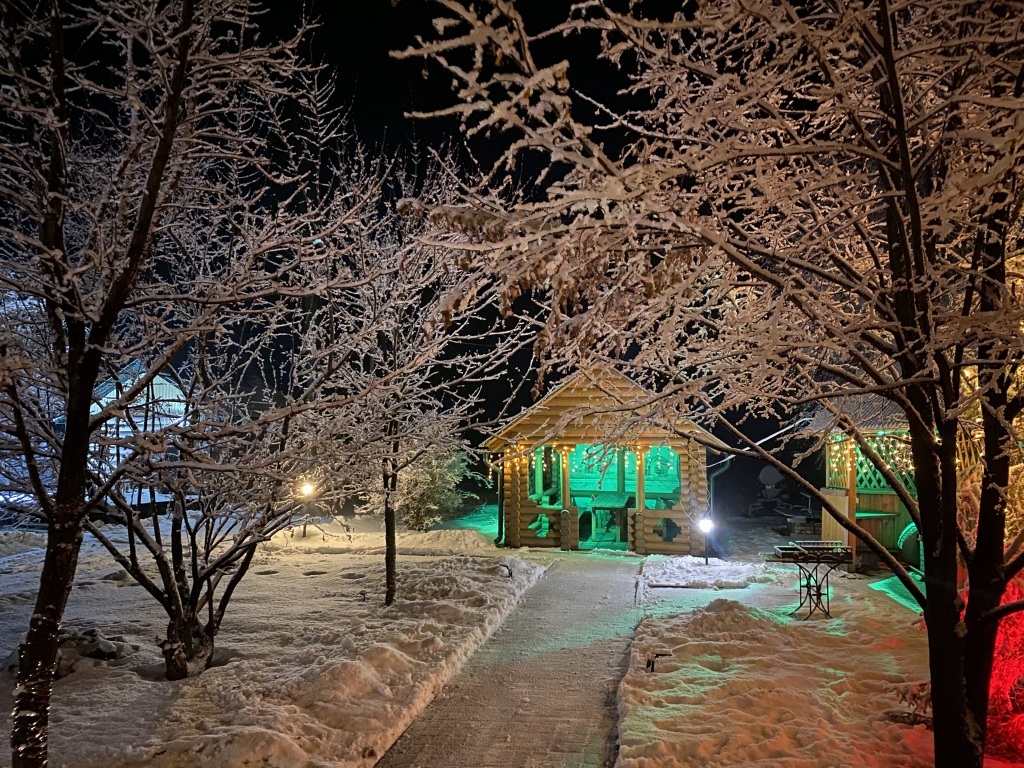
point(603, 486)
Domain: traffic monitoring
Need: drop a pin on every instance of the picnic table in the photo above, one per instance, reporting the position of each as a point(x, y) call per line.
point(610, 500)
point(612, 503)
point(816, 560)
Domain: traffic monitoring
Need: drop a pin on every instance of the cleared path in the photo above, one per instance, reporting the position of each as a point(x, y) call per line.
point(541, 692)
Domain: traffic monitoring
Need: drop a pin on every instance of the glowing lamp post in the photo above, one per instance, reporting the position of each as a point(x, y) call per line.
point(305, 490)
point(705, 525)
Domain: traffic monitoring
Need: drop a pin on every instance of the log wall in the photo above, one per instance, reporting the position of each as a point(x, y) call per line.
point(526, 510)
point(691, 507)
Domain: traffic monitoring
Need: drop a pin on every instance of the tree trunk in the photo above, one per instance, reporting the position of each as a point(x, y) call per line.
point(955, 746)
point(38, 654)
point(960, 654)
point(188, 648)
point(390, 539)
point(957, 652)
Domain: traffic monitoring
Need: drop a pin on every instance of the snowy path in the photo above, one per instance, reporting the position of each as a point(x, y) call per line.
point(541, 692)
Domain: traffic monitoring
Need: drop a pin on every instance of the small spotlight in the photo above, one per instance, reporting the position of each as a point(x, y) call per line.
point(307, 489)
point(705, 525)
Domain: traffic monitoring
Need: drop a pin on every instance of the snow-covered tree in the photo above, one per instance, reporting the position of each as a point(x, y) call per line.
point(187, 517)
point(156, 168)
point(429, 487)
point(433, 488)
point(782, 205)
point(266, 407)
point(432, 345)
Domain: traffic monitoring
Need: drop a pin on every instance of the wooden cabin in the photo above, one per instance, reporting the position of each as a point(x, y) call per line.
point(582, 469)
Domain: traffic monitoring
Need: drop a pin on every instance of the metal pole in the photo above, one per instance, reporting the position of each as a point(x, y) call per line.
point(705, 548)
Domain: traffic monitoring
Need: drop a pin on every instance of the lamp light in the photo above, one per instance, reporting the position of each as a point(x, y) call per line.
point(705, 525)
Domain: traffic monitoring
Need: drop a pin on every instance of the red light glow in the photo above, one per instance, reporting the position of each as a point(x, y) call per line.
point(1006, 691)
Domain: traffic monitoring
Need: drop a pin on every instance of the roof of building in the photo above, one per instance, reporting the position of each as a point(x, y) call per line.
point(165, 391)
point(125, 378)
point(869, 413)
point(597, 405)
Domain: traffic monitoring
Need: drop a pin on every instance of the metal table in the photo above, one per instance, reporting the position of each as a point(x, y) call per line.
point(816, 560)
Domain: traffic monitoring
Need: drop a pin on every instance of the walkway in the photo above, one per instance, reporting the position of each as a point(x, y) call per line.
point(541, 693)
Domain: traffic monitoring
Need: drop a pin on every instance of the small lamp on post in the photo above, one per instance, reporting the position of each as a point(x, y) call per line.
point(306, 490)
point(705, 525)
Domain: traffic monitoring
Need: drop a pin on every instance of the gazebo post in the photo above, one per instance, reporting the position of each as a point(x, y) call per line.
point(569, 523)
point(641, 496)
point(564, 452)
point(501, 494)
point(512, 538)
point(851, 500)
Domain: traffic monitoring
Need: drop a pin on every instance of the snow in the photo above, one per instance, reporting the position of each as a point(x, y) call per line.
point(756, 686)
point(747, 687)
point(312, 671)
point(692, 573)
point(309, 671)
point(483, 519)
point(365, 536)
point(16, 542)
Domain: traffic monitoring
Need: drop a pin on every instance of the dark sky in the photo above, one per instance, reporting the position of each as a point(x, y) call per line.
point(356, 38)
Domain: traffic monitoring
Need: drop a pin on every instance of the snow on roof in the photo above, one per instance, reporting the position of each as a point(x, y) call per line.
point(161, 390)
point(869, 412)
point(593, 405)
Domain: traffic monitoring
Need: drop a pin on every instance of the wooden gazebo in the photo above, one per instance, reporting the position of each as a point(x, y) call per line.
point(857, 489)
point(583, 469)
point(855, 486)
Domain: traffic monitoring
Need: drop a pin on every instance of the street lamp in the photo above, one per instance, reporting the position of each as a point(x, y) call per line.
point(705, 525)
point(305, 490)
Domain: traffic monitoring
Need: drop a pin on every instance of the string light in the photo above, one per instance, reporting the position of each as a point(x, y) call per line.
point(594, 464)
point(893, 448)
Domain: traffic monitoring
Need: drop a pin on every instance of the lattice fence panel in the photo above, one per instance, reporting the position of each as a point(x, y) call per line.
point(835, 462)
point(891, 447)
point(894, 449)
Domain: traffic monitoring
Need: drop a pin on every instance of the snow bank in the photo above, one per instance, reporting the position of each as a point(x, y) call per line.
point(313, 670)
point(691, 573)
point(338, 538)
point(483, 518)
point(16, 542)
point(745, 687)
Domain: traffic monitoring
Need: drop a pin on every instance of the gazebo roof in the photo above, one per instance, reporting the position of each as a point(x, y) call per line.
point(869, 413)
point(598, 405)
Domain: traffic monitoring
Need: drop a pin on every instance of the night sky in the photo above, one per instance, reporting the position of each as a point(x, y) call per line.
point(355, 39)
